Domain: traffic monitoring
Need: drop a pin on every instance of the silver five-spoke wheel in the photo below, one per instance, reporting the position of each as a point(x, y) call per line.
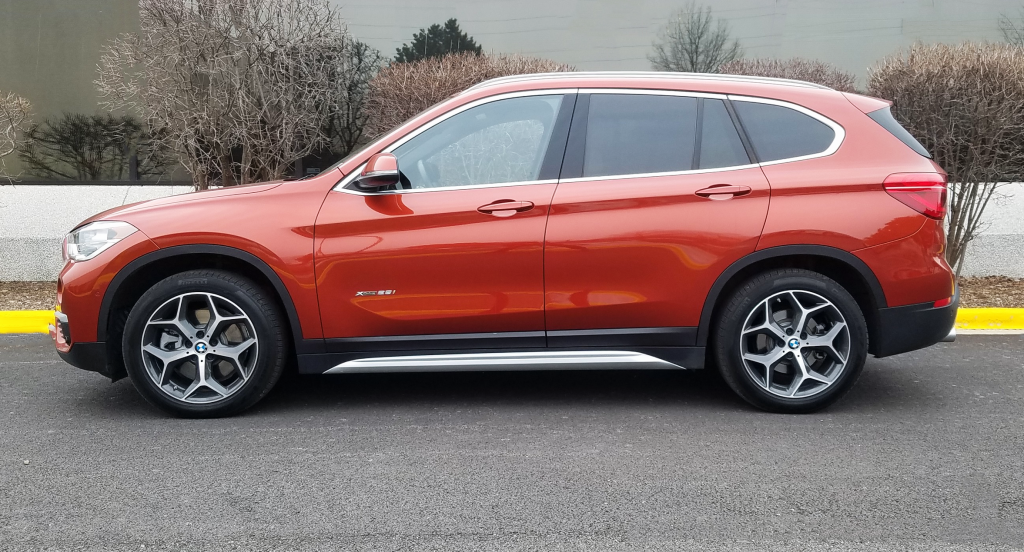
point(795, 344)
point(199, 348)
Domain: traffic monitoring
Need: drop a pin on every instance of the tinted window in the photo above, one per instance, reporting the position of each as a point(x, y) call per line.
point(884, 117)
point(494, 143)
point(636, 134)
point(778, 132)
point(720, 144)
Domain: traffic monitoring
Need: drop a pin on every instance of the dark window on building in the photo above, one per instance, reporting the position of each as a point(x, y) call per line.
point(884, 117)
point(637, 134)
point(720, 144)
point(778, 132)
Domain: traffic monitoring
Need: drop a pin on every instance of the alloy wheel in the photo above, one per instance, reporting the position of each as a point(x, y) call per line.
point(199, 348)
point(795, 344)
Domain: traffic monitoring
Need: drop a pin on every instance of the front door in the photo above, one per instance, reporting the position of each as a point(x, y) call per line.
point(453, 257)
point(658, 196)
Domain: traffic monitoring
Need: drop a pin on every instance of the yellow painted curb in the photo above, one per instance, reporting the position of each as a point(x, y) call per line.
point(990, 319)
point(21, 322)
point(18, 322)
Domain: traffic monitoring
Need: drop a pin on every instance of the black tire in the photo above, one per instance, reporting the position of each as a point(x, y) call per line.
point(266, 323)
point(730, 325)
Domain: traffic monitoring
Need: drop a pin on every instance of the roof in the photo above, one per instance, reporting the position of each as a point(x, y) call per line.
point(646, 75)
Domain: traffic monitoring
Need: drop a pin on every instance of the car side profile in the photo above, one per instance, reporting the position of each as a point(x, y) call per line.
point(778, 231)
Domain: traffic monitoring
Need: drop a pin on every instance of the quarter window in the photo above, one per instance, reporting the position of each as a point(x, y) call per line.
point(720, 144)
point(637, 134)
point(778, 132)
point(499, 142)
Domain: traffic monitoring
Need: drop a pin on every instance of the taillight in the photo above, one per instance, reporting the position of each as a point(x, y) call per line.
point(922, 192)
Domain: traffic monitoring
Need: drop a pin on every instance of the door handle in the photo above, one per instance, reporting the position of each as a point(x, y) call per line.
point(723, 191)
point(505, 207)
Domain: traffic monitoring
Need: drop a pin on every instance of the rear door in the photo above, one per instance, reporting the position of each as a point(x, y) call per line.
point(658, 195)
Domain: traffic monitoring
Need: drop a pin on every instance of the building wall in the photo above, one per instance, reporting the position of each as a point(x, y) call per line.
point(617, 34)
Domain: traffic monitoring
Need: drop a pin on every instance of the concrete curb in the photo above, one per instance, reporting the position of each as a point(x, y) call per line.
point(21, 322)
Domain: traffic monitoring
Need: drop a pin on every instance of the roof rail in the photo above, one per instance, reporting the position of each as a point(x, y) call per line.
point(649, 75)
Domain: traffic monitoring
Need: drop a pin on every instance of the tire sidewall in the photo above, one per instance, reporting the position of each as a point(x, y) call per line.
point(727, 342)
point(242, 293)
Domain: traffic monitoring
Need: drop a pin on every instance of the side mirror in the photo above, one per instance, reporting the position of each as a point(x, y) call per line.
point(380, 171)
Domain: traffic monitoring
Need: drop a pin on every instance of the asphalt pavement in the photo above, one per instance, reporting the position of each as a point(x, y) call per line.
point(926, 453)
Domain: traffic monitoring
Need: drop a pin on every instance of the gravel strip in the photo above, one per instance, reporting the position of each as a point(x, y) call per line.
point(27, 295)
point(986, 291)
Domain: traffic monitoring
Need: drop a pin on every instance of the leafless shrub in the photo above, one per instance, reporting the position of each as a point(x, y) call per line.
point(402, 90)
point(242, 88)
point(692, 41)
point(808, 70)
point(355, 67)
point(15, 112)
point(965, 103)
point(1012, 29)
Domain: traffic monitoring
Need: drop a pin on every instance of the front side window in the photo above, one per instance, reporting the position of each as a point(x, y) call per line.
point(778, 132)
point(638, 134)
point(499, 142)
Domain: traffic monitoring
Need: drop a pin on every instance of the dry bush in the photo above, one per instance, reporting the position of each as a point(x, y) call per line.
point(808, 70)
point(965, 103)
point(15, 112)
point(402, 90)
point(242, 88)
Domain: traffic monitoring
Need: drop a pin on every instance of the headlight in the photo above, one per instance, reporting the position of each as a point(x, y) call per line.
point(95, 238)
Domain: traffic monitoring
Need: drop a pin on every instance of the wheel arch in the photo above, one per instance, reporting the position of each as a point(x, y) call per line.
point(139, 275)
point(842, 266)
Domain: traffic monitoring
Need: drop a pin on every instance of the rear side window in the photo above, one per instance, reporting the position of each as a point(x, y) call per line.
point(720, 144)
point(778, 132)
point(637, 134)
point(884, 117)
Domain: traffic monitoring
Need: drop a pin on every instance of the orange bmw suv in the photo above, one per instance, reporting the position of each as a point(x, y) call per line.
point(777, 231)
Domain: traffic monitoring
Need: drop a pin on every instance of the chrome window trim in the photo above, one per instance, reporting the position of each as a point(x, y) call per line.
point(340, 186)
point(837, 140)
point(440, 189)
point(657, 174)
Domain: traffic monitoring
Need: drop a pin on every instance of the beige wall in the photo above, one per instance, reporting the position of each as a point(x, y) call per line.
point(617, 34)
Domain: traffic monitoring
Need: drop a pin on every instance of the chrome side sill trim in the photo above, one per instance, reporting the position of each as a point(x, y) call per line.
point(561, 360)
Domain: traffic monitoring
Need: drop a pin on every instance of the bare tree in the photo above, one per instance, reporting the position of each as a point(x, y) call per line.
point(402, 90)
point(965, 103)
point(693, 41)
point(92, 147)
point(241, 88)
point(15, 112)
point(1012, 29)
point(356, 66)
point(808, 70)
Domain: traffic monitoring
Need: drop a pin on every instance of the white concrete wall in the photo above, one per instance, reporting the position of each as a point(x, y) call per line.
point(34, 219)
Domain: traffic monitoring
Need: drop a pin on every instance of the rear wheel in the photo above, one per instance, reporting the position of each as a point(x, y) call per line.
point(791, 340)
point(204, 343)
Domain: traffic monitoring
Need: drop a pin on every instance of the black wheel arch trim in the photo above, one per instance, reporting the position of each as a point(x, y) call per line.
point(301, 345)
point(874, 287)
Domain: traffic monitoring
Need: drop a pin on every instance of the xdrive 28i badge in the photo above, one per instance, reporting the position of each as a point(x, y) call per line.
point(379, 292)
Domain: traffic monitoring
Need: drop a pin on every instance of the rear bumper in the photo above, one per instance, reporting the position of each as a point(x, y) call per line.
point(902, 329)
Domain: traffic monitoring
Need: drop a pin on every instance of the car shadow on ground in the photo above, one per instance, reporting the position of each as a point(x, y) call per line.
point(880, 387)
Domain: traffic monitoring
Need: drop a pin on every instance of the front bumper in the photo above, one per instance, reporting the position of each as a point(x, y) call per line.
point(902, 329)
point(91, 357)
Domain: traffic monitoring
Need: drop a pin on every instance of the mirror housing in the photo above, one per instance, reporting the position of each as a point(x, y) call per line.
point(381, 170)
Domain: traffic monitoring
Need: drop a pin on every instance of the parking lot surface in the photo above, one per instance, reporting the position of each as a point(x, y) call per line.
point(926, 453)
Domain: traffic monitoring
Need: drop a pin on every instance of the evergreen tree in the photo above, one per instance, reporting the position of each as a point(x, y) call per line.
point(437, 41)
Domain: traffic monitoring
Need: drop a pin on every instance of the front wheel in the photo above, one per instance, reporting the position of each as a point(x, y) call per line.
point(791, 340)
point(204, 343)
